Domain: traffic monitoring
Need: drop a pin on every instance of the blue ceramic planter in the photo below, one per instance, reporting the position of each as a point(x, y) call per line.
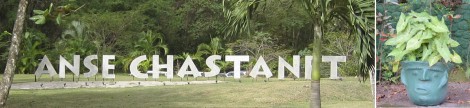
point(426, 86)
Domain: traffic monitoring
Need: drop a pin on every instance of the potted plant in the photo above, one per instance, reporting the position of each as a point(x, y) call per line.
point(422, 48)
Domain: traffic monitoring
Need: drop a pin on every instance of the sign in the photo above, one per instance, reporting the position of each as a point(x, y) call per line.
point(187, 68)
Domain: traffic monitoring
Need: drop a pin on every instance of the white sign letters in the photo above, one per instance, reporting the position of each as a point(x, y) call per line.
point(188, 67)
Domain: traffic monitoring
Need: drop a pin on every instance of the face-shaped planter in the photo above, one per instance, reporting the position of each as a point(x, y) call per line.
point(425, 85)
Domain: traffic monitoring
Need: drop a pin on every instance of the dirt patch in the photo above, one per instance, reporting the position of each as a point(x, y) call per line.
point(395, 95)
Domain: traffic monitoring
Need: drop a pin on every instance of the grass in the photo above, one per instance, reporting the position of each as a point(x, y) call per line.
point(231, 93)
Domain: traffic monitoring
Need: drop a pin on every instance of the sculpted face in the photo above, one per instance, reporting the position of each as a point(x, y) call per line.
point(425, 84)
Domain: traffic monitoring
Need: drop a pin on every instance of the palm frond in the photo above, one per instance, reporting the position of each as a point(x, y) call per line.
point(238, 15)
point(362, 18)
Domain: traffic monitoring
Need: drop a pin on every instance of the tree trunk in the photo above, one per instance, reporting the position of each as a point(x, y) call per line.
point(315, 96)
point(315, 99)
point(317, 48)
point(372, 80)
point(13, 53)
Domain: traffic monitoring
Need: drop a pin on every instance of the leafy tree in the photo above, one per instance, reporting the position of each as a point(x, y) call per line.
point(115, 32)
point(260, 44)
point(75, 41)
point(8, 16)
point(338, 44)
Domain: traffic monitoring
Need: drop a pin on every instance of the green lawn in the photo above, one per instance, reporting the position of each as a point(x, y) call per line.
point(249, 93)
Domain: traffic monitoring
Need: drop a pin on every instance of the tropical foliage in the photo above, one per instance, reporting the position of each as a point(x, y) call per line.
point(422, 37)
point(149, 44)
point(128, 29)
point(215, 47)
point(4, 43)
point(30, 52)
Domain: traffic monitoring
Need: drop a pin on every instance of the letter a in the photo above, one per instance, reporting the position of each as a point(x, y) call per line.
point(40, 70)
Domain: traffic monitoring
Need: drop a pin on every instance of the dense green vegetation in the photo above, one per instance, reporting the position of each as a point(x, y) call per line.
point(128, 29)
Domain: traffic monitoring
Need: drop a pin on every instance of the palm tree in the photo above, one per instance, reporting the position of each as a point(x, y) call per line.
point(215, 47)
point(13, 53)
point(148, 44)
point(75, 41)
point(184, 55)
point(224, 66)
point(151, 44)
point(359, 15)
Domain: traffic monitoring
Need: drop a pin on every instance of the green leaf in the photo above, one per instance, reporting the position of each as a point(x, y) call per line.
point(58, 19)
point(433, 27)
point(443, 25)
point(433, 59)
point(427, 34)
point(397, 51)
point(453, 43)
point(402, 37)
point(419, 26)
point(456, 58)
point(411, 57)
point(38, 12)
point(414, 43)
point(443, 50)
point(396, 66)
point(50, 6)
point(436, 25)
point(419, 17)
point(401, 25)
point(426, 52)
point(38, 19)
point(392, 41)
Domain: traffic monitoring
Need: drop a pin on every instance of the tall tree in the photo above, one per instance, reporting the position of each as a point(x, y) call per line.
point(359, 15)
point(13, 53)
